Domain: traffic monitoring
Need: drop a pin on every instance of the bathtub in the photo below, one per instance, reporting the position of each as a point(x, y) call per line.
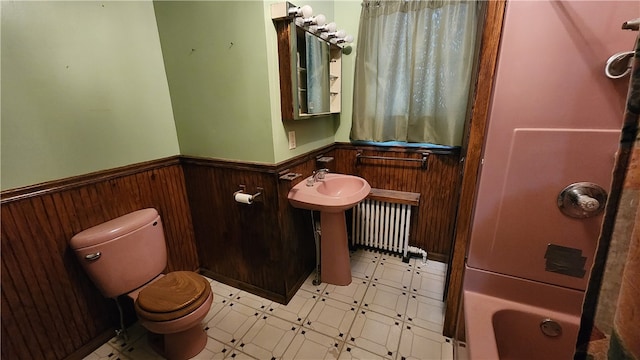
point(505, 317)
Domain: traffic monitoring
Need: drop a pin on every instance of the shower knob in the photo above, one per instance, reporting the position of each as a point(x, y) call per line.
point(582, 200)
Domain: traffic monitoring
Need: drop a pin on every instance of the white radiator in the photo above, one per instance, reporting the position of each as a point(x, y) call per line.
point(381, 225)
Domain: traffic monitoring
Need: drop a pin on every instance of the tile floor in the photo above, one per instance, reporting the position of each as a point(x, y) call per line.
point(391, 310)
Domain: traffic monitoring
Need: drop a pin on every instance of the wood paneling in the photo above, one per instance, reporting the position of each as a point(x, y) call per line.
point(263, 247)
point(433, 224)
point(473, 156)
point(237, 243)
point(283, 31)
point(50, 308)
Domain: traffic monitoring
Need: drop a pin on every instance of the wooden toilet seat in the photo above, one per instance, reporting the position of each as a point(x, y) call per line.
point(174, 295)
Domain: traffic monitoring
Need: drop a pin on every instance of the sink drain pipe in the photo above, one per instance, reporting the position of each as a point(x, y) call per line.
point(316, 238)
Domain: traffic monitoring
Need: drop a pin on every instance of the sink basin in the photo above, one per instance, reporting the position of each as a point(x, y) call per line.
point(334, 193)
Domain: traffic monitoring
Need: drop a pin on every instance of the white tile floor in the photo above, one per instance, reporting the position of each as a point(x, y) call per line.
point(391, 310)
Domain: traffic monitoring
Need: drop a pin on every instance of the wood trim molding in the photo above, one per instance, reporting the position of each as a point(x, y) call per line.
point(72, 182)
point(228, 164)
point(283, 31)
point(396, 197)
point(54, 186)
point(400, 149)
point(254, 166)
point(479, 117)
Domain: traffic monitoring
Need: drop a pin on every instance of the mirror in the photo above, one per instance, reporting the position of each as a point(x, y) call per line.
point(310, 71)
point(313, 70)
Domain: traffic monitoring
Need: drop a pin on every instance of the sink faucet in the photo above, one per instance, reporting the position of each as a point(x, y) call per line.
point(317, 175)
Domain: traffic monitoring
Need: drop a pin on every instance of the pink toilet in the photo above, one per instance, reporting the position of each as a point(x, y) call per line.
point(127, 255)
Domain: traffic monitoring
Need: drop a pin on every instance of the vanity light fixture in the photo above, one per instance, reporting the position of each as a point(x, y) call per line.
point(296, 31)
point(302, 16)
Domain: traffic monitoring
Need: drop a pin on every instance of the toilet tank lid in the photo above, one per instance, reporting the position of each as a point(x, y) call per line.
point(113, 228)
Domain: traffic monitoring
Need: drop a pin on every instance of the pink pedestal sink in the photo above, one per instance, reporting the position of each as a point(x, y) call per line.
point(332, 196)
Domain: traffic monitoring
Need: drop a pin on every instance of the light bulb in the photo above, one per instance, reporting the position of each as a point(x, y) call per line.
point(348, 39)
point(313, 28)
point(306, 11)
point(314, 20)
point(340, 33)
point(320, 19)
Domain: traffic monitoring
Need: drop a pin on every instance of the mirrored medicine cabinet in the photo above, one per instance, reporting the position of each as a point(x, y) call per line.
point(310, 70)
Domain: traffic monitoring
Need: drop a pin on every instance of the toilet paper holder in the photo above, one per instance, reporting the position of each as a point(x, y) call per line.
point(255, 197)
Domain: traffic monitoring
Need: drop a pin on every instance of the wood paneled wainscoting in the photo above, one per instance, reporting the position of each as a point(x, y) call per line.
point(50, 308)
point(266, 247)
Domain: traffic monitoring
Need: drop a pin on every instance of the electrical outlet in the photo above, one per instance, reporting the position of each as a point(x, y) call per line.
point(292, 139)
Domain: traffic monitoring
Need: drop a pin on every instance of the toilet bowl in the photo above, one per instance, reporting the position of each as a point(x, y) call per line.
point(126, 256)
point(173, 306)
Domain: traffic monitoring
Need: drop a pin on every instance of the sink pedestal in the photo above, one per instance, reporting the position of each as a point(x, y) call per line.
point(335, 266)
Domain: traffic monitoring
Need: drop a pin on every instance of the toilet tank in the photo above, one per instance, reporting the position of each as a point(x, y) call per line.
point(122, 254)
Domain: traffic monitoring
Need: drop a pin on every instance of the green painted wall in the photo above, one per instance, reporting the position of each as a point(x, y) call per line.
point(83, 89)
point(216, 61)
point(226, 98)
point(348, 17)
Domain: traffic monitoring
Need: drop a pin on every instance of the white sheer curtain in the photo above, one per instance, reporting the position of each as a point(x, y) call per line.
point(413, 70)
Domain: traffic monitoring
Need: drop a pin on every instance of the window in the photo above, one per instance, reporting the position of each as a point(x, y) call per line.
point(413, 70)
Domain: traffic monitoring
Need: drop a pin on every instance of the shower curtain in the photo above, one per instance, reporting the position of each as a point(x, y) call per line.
point(625, 337)
point(623, 342)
